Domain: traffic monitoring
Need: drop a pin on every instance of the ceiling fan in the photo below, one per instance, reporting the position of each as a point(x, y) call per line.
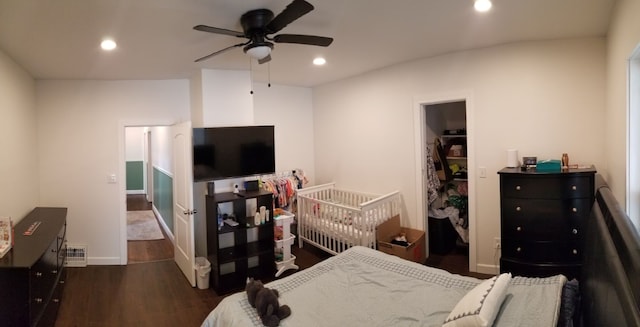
point(258, 24)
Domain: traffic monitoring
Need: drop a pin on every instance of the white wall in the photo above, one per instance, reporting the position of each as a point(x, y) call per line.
point(226, 98)
point(622, 39)
point(134, 140)
point(161, 146)
point(80, 135)
point(290, 110)
point(543, 98)
point(18, 141)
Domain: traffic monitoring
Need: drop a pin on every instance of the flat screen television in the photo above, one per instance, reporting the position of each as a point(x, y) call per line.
point(228, 152)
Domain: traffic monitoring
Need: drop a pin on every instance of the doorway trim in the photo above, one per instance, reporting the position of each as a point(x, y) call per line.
point(148, 165)
point(420, 122)
point(122, 173)
point(633, 137)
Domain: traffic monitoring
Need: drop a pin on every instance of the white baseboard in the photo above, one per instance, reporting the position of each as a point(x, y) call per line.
point(163, 224)
point(487, 269)
point(103, 261)
point(136, 192)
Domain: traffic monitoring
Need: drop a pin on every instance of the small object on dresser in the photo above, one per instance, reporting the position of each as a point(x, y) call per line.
point(6, 235)
point(565, 160)
point(32, 228)
point(550, 165)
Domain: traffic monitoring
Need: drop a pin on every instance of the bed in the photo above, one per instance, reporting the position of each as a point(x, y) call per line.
point(365, 287)
point(334, 220)
point(610, 282)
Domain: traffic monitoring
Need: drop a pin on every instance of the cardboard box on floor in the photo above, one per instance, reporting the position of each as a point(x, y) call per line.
point(390, 229)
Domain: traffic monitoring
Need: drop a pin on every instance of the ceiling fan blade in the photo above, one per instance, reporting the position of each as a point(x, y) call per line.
point(205, 28)
point(265, 59)
point(303, 39)
point(220, 51)
point(293, 11)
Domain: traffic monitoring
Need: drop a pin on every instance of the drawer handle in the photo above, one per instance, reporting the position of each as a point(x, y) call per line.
point(574, 187)
point(38, 274)
point(56, 300)
point(575, 251)
point(54, 272)
point(574, 209)
point(38, 300)
point(518, 228)
point(575, 231)
point(62, 282)
point(518, 208)
point(519, 249)
point(517, 187)
point(53, 250)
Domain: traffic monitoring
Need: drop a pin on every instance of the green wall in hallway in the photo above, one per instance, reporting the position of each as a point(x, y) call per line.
point(135, 180)
point(163, 196)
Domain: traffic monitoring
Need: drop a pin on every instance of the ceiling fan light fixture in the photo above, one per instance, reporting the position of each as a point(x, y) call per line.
point(259, 51)
point(482, 5)
point(319, 61)
point(108, 45)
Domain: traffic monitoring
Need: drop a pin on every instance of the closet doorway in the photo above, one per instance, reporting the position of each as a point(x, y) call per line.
point(444, 137)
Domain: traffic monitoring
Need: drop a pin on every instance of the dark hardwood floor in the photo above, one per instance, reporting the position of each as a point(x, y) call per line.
point(157, 294)
point(147, 251)
point(144, 294)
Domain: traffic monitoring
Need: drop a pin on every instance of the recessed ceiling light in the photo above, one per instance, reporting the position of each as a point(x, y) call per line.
point(108, 45)
point(482, 5)
point(319, 61)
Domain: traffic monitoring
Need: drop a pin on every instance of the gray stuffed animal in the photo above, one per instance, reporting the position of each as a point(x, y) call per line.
point(265, 300)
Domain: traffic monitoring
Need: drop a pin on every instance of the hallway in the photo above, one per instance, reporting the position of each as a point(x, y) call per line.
point(146, 251)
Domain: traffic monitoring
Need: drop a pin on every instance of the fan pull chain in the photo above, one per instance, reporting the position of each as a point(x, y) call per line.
point(251, 75)
point(269, 73)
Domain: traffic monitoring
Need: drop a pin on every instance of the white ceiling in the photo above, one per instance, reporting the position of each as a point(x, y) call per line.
point(59, 39)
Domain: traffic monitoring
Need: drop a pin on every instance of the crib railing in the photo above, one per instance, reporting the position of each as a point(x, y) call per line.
point(335, 220)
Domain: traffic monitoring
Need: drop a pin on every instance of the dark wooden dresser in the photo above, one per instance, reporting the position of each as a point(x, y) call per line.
point(542, 221)
point(32, 273)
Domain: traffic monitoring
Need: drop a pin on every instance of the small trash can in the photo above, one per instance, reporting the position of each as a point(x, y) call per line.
point(203, 268)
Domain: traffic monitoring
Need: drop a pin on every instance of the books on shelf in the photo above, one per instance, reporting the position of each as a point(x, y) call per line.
point(6, 235)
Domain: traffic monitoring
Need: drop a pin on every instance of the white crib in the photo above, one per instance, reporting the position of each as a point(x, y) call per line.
point(335, 220)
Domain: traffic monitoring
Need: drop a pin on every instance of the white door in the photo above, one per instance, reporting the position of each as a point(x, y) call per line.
point(183, 212)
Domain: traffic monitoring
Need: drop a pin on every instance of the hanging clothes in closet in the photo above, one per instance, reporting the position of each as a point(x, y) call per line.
point(433, 182)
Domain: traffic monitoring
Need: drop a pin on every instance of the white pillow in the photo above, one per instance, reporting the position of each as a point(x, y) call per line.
point(480, 306)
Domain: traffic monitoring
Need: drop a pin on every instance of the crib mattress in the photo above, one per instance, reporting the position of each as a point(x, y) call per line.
point(365, 287)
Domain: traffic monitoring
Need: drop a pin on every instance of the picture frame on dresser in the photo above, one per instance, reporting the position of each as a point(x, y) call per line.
point(542, 220)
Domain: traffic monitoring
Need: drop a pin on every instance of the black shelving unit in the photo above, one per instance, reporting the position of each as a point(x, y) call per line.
point(248, 256)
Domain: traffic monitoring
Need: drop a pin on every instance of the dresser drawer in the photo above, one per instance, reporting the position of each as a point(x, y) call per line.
point(541, 252)
point(519, 268)
point(50, 313)
point(547, 187)
point(544, 220)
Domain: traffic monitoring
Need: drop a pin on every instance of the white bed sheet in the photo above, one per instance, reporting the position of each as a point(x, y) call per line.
point(365, 287)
